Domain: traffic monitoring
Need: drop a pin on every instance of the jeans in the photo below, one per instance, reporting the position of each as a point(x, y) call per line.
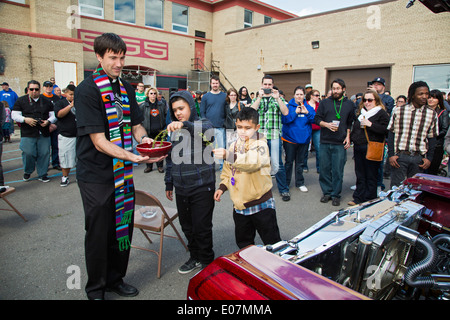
point(295, 152)
point(275, 150)
point(332, 162)
point(2, 179)
point(219, 141)
point(409, 166)
point(195, 213)
point(35, 153)
point(265, 222)
point(316, 142)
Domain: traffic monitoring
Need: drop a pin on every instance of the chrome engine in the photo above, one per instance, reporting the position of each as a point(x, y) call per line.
point(375, 249)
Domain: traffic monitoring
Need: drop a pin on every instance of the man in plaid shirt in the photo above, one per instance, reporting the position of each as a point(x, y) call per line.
point(270, 105)
point(412, 135)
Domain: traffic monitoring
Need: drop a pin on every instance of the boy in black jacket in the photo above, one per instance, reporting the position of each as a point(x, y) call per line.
point(190, 169)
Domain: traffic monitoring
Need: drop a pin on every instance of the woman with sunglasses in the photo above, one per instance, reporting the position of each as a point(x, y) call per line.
point(373, 119)
point(313, 99)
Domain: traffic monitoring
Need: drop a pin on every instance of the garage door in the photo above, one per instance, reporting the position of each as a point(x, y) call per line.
point(356, 79)
point(288, 81)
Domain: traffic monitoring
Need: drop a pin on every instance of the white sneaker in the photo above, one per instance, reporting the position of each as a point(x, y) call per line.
point(303, 189)
point(64, 181)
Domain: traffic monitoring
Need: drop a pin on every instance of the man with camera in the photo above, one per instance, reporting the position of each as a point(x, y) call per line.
point(35, 114)
point(270, 106)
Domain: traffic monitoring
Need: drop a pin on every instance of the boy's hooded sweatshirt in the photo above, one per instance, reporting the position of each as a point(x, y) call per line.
point(190, 165)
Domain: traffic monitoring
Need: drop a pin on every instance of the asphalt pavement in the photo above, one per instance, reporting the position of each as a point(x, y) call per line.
point(43, 259)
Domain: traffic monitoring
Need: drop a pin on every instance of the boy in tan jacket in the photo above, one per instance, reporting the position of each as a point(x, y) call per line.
point(246, 174)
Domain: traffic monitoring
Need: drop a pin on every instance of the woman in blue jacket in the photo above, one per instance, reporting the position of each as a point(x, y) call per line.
point(296, 134)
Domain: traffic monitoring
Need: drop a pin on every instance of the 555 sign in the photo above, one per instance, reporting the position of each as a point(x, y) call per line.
point(141, 48)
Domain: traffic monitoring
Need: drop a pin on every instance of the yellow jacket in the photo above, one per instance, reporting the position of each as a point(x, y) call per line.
point(248, 165)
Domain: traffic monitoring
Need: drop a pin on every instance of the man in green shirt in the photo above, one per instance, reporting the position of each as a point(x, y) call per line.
point(270, 105)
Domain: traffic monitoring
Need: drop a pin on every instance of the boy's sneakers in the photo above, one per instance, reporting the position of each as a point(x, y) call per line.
point(44, 178)
point(26, 176)
point(189, 266)
point(64, 181)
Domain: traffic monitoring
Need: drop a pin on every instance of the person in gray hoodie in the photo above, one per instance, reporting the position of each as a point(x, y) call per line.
point(190, 169)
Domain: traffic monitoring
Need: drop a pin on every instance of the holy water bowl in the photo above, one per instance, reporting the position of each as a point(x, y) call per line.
point(161, 149)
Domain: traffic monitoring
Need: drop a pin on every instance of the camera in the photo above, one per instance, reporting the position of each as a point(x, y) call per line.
point(267, 91)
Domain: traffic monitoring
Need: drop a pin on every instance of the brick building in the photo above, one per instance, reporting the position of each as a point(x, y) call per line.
point(175, 44)
point(166, 40)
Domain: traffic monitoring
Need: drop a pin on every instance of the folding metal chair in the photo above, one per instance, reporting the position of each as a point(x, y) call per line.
point(155, 225)
point(3, 196)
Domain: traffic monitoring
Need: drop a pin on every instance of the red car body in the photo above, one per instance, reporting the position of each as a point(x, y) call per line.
point(253, 273)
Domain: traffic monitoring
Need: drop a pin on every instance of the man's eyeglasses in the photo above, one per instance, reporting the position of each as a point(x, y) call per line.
point(34, 89)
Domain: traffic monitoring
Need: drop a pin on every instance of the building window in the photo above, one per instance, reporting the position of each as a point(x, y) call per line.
point(180, 18)
point(267, 20)
point(18, 1)
point(154, 13)
point(92, 8)
point(437, 76)
point(125, 11)
point(248, 18)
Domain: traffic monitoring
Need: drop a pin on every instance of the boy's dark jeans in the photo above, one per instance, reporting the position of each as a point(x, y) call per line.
point(195, 213)
point(265, 222)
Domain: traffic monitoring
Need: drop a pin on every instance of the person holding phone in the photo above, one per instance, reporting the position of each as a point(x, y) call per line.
point(296, 136)
point(270, 106)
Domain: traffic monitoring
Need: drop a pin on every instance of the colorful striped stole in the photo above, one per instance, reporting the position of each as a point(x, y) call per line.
point(123, 170)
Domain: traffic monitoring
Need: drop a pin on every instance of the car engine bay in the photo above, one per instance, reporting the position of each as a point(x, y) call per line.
point(394, 247)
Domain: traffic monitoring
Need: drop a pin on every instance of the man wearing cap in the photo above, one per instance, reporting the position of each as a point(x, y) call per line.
point(379, 84)
point(8, 95)
point(53, 99)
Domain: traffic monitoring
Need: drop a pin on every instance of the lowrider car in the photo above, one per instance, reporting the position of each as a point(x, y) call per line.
point(394, 247)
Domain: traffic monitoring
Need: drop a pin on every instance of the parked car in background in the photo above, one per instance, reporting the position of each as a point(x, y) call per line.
point(393, 247)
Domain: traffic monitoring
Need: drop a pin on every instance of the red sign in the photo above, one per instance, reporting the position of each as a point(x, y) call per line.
point(142, 48)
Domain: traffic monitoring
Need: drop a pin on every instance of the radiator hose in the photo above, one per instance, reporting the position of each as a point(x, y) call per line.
point(412, 275)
